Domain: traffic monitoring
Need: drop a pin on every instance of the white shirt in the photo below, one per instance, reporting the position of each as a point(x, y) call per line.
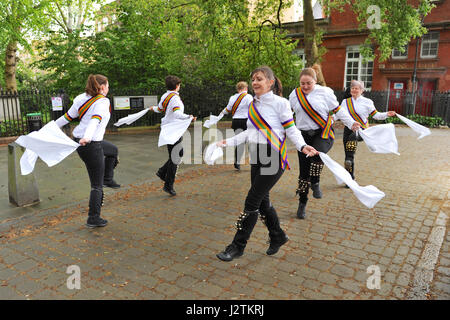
point(174, 110)
point(275, 110)
point(93, 124)
point(242, 109)
point(323, 100)
point(364, 107)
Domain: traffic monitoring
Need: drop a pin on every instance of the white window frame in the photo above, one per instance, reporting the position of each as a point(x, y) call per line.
point(361, 76)
point(299, 52)
point(396, 54)
point(428, 40)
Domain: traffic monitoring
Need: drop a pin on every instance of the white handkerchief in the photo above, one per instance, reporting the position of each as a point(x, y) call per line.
point(172, 131)
point(212, 120)
point(368, 195)
point(421, 130)
point(49, 143)
point(212, 153)
point(380, 138)
point(131, 118)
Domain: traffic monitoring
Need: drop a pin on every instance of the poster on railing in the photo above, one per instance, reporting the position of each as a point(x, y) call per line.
point(57, 104)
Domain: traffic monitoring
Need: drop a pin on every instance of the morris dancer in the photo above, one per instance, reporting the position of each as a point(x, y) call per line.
point(312, 104)
point(270, 120)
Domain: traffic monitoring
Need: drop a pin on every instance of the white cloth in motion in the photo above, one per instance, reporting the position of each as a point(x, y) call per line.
point(49, 143)
point(368, 195)
point(421, 130)
point(212, 153)
point(380, 138)
point(131, 118)
point(172, 131)
point(212, 120)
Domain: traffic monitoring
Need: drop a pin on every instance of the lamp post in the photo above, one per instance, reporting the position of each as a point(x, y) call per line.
point(414, 76)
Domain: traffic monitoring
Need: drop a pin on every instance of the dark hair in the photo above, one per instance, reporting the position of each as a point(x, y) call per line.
point(277, 88)
point(172, 82)
point(93, 84)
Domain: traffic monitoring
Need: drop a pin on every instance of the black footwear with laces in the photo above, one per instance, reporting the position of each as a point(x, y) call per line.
point(95, 222)
point(112, 184)
point(276, 245)
point(230, 252)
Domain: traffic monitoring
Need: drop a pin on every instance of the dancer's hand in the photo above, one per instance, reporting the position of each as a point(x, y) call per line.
point(356, 125)
point(84, 141)
point(193, 118)
point(310, 151)
point(391, 113)
point(221, 143)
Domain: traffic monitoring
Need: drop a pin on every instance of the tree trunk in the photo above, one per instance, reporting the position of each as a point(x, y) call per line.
point(311, 50)
point(10, 66)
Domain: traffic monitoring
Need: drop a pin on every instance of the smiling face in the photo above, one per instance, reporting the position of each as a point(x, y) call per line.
point(356, 91)
point(261, 84)
point(307, 83)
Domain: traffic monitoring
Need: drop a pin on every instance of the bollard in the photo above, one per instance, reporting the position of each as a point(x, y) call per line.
point(23, 190)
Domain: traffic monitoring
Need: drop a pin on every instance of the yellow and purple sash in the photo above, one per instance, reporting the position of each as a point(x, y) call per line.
point(326, 125)
point(85, 107)
point(266, 130)
point(354, 114)
point(237, 103)
point(166, 101)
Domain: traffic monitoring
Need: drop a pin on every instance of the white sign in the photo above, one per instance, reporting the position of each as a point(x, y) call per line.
point(57, 104)
point(398, 85)
point(121, 103)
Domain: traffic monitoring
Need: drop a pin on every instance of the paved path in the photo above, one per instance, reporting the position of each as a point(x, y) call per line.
point(158, 247)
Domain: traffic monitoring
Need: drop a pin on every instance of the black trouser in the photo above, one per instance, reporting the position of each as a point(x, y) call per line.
point(239, 125)
point(93, 157)
point(265, 172)
point(350, 144)
point(169, 169)
point(311, 167)
point(111, 160)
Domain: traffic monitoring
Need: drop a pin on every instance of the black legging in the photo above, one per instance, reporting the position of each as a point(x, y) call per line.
point(265, 172)
point(311, 167)
point(169, 169)
point(239, 125)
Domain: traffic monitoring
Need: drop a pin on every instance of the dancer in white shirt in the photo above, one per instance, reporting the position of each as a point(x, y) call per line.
point(312, 104)
point(93, 110)
point(359, 108)
point(173, 108)
point(270, 121)
point(238, 107)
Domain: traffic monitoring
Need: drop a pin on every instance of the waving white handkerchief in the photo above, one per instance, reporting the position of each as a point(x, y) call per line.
point(49, 143)
point(212, 120)
point(421, 130)
point(212, 153)
point(380, 138)
point(131, 118)
point(172, 131)
point(369, 195)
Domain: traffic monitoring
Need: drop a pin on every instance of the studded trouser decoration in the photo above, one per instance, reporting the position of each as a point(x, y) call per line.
point(350, 146)
point(244, 225)
point(270, 219)
point(314, 171)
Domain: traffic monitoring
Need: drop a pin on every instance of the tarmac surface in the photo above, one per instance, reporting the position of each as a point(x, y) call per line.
point(158, 247)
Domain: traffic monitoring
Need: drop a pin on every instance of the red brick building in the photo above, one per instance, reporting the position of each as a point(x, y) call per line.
point(343, 61)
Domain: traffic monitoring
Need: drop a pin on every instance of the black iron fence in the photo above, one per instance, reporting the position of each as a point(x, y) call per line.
point(19, 109)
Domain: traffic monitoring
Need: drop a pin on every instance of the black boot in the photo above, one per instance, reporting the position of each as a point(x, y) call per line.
point(169, 189)
point(245, 224)
point(317, 193)
point(108, 181)
point(301, 211)
point(95, 222)
point(276, 234)
point(315, 171)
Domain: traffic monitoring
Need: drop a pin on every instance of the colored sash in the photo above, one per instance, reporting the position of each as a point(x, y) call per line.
point(85, 107)
point(280, 146)
point(354, 114)
point(166, 101)
point(237, 103)
point(326, 125)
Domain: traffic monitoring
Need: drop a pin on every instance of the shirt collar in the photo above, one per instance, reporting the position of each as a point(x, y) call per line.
point(265, 97)
point(170, 91)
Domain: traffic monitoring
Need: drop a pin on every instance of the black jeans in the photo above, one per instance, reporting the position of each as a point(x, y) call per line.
point(265, 172)
point(238, 125)
point(93, 157)
point(350, 145)
point(169, 169)
point(314, 139)
point(111, 160)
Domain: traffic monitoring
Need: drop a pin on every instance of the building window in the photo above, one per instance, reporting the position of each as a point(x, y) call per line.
point(301, 54)
point(397, 54)
point(357, 69)
point(430, 44)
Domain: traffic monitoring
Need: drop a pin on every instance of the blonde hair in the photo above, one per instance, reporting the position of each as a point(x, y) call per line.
point(241, 85)
point(309, 72)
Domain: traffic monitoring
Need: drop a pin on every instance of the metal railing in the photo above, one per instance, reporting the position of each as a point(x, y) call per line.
point(200, 101)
